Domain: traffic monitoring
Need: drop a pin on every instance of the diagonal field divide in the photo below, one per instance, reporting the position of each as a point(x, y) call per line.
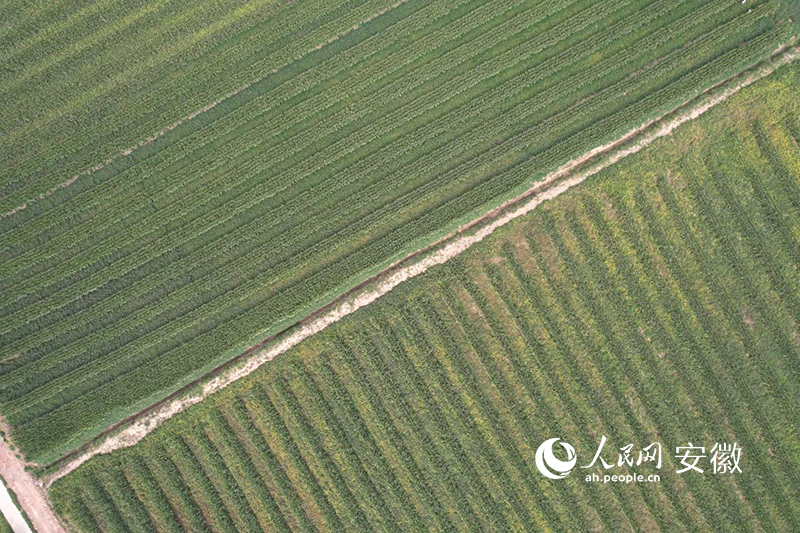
point(135, 427)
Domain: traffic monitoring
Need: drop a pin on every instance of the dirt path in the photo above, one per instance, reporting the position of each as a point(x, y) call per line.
point(133, 429)
point(30, 492)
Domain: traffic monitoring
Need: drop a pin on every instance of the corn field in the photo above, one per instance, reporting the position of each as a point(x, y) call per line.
point(659, 302)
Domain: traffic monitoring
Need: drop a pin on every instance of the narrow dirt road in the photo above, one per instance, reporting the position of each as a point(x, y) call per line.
point(30, 493)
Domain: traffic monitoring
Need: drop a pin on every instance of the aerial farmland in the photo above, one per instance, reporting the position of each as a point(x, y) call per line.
point(400, 266)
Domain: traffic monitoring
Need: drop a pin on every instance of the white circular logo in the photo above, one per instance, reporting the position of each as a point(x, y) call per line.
point(549, 465)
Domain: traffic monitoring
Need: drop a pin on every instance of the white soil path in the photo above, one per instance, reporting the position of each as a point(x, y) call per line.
point(30, 493)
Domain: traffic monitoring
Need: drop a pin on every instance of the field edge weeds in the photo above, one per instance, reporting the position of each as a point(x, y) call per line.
point(134, 428)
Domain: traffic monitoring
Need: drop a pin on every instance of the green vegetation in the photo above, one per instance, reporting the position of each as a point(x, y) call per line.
point(82, 81)
point(5, 527)
point(144, 275)
point(658, 302)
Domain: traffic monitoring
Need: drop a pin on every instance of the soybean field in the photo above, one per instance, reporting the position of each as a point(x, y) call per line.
point(657, 302)
point(168, 206)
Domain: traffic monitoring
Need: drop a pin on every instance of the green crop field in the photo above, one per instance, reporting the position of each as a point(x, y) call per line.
point(658, 302)
point(363, 131)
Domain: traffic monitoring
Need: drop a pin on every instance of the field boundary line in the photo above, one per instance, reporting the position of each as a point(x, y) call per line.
point(144, 142)
point(135, 427)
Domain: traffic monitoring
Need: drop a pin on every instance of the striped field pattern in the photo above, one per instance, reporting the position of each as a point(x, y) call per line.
point(353, 133)
point(658, 302)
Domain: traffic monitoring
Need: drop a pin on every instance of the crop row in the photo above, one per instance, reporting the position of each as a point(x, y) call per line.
point(165, 296)
point(657, 304)
point(40, 287)
point(228, 209)
point(120, 106)
point(615, 311)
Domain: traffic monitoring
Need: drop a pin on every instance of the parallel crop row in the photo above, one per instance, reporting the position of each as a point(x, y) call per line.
point(127, 284)
point(106, 86)
point(657, 304)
